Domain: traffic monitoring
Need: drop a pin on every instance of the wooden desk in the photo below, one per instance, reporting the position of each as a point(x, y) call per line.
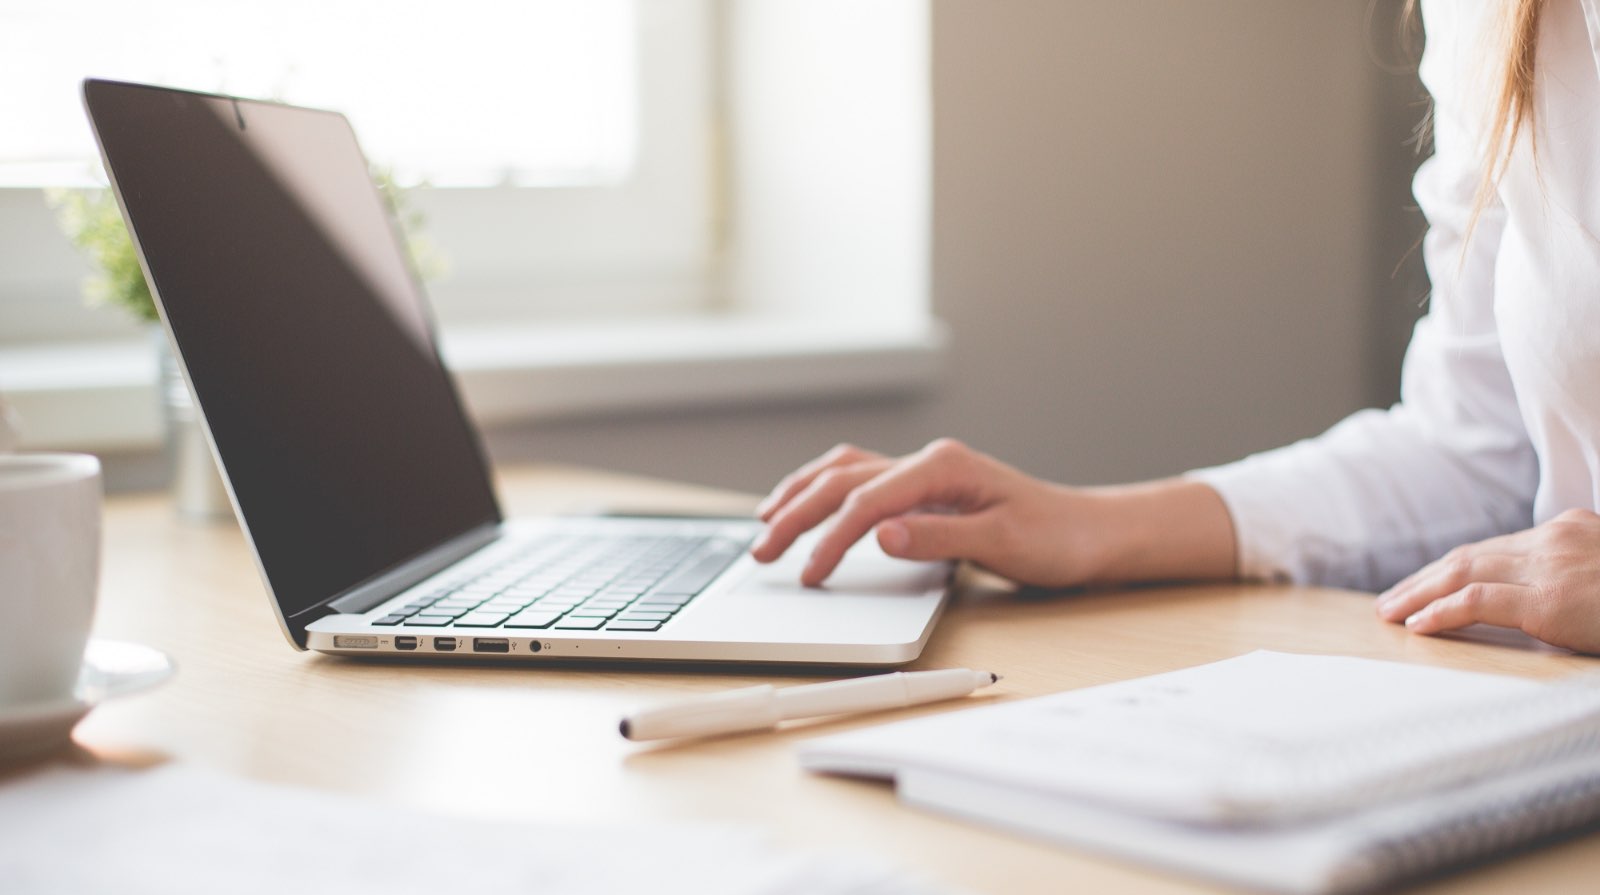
point(541, 743)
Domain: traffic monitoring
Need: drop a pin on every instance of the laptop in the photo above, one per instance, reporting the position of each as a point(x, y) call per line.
point(355, 474)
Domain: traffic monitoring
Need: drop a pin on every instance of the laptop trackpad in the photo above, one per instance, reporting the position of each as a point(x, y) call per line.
point(871, 599)
point(866, 569)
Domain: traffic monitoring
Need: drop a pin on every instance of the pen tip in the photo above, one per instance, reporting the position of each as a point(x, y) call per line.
point(993, 679)
point(626, 729)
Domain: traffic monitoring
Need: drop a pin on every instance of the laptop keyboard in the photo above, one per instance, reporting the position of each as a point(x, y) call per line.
point(579, 583)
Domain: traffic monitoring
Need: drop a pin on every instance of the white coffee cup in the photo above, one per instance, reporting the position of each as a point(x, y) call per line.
point(49, 572)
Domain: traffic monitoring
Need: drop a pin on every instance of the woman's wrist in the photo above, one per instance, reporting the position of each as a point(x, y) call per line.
point(1166, 530)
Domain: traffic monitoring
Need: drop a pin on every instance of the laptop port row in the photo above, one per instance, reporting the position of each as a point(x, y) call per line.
point(449, 644)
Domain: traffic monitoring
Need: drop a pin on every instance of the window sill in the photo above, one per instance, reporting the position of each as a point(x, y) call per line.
point(101, 396)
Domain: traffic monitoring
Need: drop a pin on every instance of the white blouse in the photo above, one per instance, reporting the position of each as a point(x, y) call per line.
point(1498, 426)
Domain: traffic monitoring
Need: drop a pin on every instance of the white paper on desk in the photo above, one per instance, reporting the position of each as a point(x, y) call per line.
point(177, 831)
point(1229, 741)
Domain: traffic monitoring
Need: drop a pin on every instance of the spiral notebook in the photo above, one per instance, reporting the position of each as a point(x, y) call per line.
point(1288, 773)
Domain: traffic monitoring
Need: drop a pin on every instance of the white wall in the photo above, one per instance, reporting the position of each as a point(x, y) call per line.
point(828, 107)
point(1153, 239)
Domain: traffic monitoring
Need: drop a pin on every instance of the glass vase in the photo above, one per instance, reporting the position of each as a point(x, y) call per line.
point(197, 490)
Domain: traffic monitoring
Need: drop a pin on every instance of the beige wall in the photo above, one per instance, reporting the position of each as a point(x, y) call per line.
point(1163, 237)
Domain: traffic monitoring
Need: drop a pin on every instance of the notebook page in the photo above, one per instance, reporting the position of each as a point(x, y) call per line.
point(1183, 744)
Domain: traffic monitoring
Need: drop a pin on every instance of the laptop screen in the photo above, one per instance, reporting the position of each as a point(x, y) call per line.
point(306, 337)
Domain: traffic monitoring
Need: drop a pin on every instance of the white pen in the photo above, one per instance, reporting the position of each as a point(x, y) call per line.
point(757, 708)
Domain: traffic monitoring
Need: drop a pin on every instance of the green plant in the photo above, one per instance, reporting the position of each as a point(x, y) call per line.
point(427, 259)
point(92, 220)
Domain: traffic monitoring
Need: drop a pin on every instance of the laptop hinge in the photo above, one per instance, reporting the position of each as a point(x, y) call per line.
point(373, 591)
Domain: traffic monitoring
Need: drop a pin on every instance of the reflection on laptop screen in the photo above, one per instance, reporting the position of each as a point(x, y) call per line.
point(304, 332)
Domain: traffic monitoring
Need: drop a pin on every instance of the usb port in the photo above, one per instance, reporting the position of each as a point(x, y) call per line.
point(491, 645)
point(444, 644)
point(404, 642)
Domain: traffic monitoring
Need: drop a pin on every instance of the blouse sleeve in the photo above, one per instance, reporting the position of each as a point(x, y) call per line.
point(1386, 491)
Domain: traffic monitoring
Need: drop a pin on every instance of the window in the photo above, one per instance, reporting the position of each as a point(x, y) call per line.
point(556, 78)
point(714, 201)
point(592, 194)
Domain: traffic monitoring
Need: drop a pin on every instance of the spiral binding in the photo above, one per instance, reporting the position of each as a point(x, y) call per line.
point(1519, 812)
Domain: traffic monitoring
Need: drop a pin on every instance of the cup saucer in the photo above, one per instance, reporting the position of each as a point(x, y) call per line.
point(111, 668)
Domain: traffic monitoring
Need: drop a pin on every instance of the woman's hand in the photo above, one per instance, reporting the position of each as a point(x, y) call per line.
point(1545, 580)
point(945, 501)
point(948, 501)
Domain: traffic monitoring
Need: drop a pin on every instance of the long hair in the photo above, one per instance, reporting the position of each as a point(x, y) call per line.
point(1517, 36)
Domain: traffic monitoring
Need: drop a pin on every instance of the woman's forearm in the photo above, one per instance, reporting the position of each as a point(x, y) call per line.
point(1166, 530)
